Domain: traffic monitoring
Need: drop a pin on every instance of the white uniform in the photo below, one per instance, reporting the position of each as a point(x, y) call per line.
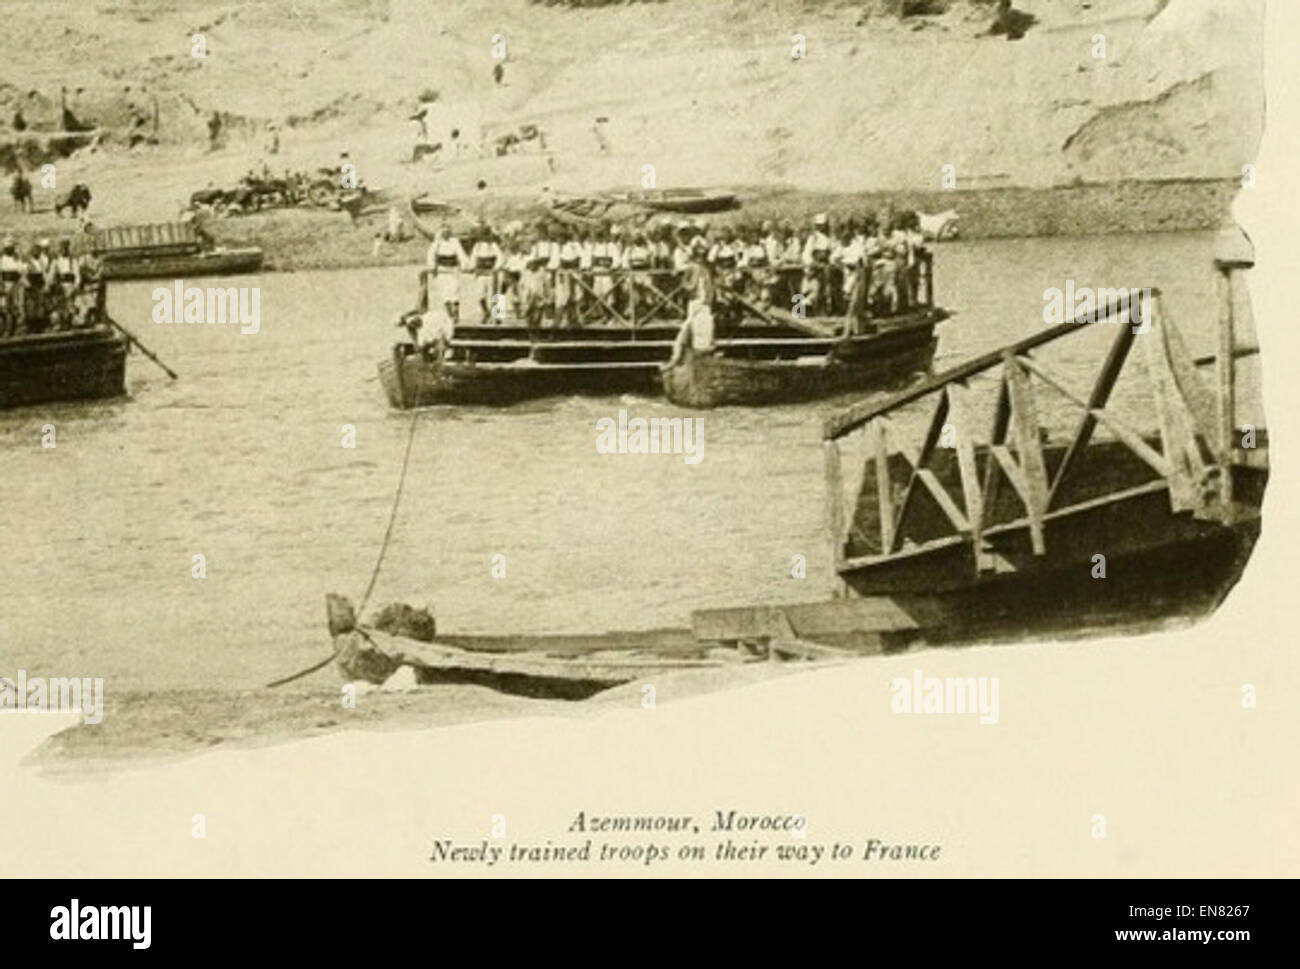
point(484, 259)
point(566, 260)
point(603, 256)
point(447, 259)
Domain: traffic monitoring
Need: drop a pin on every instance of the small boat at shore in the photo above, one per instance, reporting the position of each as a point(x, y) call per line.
point(556, 666)
point(689, 201)
point(212, 262)
point(169, 249)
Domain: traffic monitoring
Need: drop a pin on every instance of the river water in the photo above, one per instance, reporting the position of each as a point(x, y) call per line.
point(242, 461)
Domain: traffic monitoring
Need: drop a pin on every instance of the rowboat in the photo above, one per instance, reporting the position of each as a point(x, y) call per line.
point(684, 200)
point(556, 666)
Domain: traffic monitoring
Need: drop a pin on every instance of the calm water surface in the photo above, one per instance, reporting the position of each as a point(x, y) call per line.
point(241, 460)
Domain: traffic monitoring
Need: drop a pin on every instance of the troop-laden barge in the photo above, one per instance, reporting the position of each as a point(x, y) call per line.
point(84, 362)
point(760, 355)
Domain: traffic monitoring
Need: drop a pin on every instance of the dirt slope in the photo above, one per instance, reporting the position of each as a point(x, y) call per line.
point(706, 92)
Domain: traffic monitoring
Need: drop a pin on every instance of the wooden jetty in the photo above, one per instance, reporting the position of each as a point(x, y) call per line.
point(1006, 528)
point(624, 343)
point(168, 250)
point(81, 363)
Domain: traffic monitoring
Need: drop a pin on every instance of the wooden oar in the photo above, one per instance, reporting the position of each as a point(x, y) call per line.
point(143, 349)
point(775, 316)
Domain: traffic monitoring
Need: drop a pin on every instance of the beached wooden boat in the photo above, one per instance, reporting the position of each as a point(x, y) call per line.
point(740, 373)
point(1017, 531)
point(79, 364)
point(684, 200)
point(168, 249)
point(213, 262)
point(566, 667)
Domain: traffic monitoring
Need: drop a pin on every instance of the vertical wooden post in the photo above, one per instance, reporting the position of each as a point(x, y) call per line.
point(834, 500)
point(1226, 390)
point(884, 483)
point(630, 281)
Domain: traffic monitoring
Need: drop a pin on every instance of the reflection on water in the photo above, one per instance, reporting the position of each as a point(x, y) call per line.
point(241, 460)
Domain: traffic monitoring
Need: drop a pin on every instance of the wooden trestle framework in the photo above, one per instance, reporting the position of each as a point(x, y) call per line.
point(1192, 455)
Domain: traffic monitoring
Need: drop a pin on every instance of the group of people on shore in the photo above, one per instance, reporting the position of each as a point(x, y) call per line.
point(46, 289)
point(558, 276)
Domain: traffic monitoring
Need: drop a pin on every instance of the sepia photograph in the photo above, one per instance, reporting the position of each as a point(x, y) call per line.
point(653, 438)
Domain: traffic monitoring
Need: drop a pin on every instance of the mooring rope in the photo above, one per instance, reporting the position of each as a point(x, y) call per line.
point(392, 515)
point(379, 561)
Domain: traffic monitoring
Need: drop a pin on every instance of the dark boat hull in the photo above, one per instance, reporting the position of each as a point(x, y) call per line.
point(862, 363)
point(412, 379)
point(221, 262)
point(82, 364)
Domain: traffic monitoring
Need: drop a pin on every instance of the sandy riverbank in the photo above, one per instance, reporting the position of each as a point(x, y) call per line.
point(1043, 136)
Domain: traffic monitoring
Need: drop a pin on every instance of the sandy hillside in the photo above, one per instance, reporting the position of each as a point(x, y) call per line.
point(707, 92)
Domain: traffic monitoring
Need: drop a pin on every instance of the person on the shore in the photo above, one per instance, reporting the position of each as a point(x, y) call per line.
point(697, 331)
point(445, 260)
point(11, 288)
point(816, 258)
point(21, 190)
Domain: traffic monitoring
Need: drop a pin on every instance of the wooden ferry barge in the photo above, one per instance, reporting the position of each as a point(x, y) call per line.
point(81, 363)
point(759, 357)
point(168, 250)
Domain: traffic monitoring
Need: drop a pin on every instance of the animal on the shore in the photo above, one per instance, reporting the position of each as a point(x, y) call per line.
point(941, 226)
point(77, 199)
point(21, 190)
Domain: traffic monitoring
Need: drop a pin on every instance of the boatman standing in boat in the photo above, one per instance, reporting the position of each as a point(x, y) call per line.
point(534, 285)
point(816, 263)
point(697, 331)
point(445, 260)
